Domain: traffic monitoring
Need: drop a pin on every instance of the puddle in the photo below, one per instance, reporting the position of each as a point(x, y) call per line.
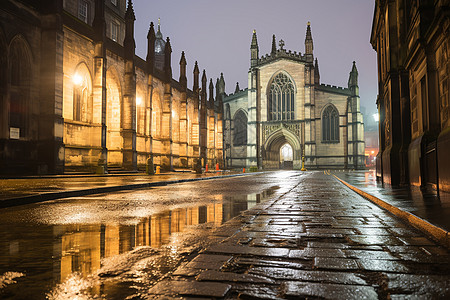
point(108, 260)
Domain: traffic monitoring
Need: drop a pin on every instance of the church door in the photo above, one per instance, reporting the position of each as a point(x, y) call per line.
point(286, 157)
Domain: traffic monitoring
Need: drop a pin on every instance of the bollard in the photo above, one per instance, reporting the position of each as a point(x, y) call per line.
point(243, 170)
point(158, 170)
point(217, 167)
point(206, 168)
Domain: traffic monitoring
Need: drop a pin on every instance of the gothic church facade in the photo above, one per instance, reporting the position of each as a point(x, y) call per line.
point(286, 114)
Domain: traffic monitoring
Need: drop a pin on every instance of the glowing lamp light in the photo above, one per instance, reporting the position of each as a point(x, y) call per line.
point(77, 79)
point(138, 101)
point(376, 117)
point(373, 152)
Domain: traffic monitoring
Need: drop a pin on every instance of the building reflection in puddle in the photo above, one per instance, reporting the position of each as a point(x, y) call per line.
point(81, 248)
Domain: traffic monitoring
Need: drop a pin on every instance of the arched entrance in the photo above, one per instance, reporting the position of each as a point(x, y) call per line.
point(286, 157)
point(282, 149)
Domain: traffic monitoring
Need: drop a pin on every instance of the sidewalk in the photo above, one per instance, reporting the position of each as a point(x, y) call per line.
point(318, 240)
point(33, 189)
point(429, 207)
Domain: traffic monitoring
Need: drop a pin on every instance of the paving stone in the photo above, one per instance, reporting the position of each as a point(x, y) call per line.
point(375, 240)
point(254, 262)
point(383, 265)
point(242, 249)
point(369, 254)
point(335, 263)
point(330, 230)
point(417, 241)
point(274, 242)
point(208, 261)
point(405, 232)
point(248, 291)
point(373, 231)
point(326, 245)
point(289, 274)
point(316, 252)
point(425, 286)
point(190, 288)
point(212, 275)
point(328, 291)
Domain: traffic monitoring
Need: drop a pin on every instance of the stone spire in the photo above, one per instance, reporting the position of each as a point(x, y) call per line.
point(237, 88)
point(204, 82)
point(211, 94)
point(222, 84)
point(196, 78)
point(129, 43)
point(221, 92)
point(183, 79)
point(309, 43)
point(316, 73)
point(353, 80)
point(150, 47)
point(168, 60)
point(274, 46)
point(254, 50)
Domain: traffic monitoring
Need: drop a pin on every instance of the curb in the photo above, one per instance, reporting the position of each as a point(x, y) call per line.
point(438, 234)
point(10, 202)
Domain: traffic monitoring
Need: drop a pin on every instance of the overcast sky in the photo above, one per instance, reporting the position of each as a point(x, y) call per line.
point(217, 33)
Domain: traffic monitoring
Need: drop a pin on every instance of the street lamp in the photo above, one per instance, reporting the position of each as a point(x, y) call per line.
point(376, 117)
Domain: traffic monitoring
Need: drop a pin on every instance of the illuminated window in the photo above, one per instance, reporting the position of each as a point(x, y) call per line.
point(330, 125)
point(114, 31)
point(83, 11)
point(281, 98)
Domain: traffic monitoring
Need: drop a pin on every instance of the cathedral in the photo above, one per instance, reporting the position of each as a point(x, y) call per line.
point(74, 96)
point(287, 116)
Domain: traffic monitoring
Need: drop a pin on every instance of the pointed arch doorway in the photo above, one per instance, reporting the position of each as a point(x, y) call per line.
point(286, 157)
point(281, 150)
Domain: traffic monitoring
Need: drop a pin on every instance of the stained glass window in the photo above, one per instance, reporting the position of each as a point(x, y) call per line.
point(281, 99)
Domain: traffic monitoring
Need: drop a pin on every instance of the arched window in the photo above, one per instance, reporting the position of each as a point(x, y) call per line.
point(281, 99)
point(330, 125)
point(240, 129)
point(81, 94)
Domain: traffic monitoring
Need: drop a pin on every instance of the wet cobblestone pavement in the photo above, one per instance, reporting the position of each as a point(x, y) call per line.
point(317, 240)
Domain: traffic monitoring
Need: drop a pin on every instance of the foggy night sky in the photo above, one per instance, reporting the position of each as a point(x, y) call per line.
point(218, 35)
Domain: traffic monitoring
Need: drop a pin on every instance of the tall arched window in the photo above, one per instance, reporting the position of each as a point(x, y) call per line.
point(82, 94)
point(330, 125)
point(281, 99)
point(240, 129)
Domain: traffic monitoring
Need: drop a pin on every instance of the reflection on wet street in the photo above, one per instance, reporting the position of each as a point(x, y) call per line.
point(109, 246)
point(429, 206)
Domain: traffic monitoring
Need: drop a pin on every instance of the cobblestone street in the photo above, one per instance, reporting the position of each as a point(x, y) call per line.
point(319, 239)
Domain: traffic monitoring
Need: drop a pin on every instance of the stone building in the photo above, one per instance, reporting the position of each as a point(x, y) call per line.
point(411, 39)
point(74, 96)
point(286, 113)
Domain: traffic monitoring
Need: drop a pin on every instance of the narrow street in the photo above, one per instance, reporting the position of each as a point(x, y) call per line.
point(275, 235)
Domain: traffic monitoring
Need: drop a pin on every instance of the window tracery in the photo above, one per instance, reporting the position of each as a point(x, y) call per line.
point(281, 99)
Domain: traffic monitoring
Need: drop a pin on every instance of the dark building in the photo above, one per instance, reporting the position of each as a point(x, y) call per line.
point(411, 38)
